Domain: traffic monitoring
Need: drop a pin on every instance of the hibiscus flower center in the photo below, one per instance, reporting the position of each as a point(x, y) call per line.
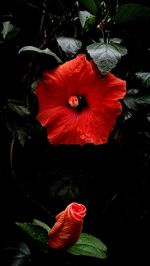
point(78, 102)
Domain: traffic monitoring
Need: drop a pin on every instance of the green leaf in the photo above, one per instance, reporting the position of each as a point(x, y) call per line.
point(88, 245)
point(9, 30)
point(69, 45)
point(89, 22)
point(90, 5)
point(118, 47)
point(41, 224)
point(37, 232)
point(46, 51)
point(106, 56)
point(84, 16)
point(131, 12)
point(144, 77)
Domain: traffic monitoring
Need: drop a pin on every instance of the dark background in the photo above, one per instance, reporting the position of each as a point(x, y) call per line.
point(38, 180)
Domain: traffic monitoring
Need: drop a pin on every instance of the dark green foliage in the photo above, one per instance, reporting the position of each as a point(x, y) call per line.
point(38, 179)
point(87, 245)
point(90, 5)
point(38, 233)
point(21, 123)
point(131, 12)
point(15, 253)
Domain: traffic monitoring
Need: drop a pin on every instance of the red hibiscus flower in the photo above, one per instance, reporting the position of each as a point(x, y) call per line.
point(68, 226)
point(77, 105)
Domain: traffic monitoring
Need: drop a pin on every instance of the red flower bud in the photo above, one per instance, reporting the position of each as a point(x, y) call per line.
point(68, 227)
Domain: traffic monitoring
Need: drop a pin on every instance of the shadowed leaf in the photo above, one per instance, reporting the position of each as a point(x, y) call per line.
point(84, 16)
point(37, 232)
point(144, 77)
point(15, 254)
point(130, 12)
point(19, 109)
point(9, 30)
point(69, 45)
point(41, 224)
point(135, 101)
point(46, 51)
point(90, 5)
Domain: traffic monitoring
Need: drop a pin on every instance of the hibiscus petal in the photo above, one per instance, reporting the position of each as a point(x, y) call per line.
point(94, 122)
